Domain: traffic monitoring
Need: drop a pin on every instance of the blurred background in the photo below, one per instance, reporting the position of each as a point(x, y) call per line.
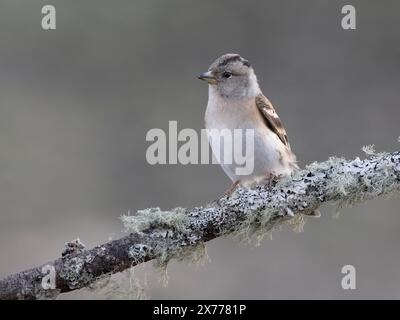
point(76, 104)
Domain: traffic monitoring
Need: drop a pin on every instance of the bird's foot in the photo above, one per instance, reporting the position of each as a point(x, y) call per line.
point(271, 179)
point(231, 188)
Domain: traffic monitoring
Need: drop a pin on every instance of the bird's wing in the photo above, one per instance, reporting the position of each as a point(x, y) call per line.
point(271, 119)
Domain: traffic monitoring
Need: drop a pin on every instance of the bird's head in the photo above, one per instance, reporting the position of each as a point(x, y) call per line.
point(231, 76)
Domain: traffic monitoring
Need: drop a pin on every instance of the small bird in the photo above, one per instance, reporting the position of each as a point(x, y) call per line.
point(235, 101)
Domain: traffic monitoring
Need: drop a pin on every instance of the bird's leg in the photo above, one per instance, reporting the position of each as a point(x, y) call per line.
point(270, 178)
point(232, 188)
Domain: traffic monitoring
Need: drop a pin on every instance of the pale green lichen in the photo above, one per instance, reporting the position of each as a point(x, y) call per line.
point(260, 226)
point(316, 167)
point(254, 229)
point(369, 149)
point(165, 223)
point(129, 285)
point(154, 217)
point(297, 223)
point(125, 286)
point(196, 255)
point(353, 182)
point(137, 286)
point(342, 182)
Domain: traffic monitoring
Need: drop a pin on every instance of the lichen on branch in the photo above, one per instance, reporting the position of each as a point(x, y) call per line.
point(249, 212)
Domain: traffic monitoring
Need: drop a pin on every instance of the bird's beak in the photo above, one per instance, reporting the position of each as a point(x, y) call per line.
point(208, 76)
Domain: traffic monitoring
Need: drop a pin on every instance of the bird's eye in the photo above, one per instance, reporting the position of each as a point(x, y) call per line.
point(227, 75)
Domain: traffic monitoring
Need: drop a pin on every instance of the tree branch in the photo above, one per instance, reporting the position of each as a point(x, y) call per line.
point(249, 211)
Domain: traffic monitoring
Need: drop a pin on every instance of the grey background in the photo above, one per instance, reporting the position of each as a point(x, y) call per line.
point(76, 103)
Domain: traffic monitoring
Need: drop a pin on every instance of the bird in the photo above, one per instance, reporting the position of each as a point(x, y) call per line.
point(235, 101)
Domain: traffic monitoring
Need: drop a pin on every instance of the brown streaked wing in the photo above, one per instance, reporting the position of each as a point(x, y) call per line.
point(271, 118)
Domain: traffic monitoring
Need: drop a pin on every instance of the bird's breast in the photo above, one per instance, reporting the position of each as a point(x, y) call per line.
point(265, 151)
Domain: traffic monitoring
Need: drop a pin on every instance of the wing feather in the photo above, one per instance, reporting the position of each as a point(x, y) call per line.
point(271, 119)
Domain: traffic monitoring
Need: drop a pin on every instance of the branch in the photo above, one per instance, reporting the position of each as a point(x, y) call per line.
point(248, 211)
